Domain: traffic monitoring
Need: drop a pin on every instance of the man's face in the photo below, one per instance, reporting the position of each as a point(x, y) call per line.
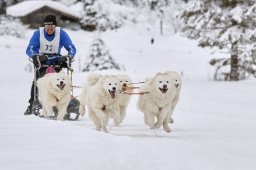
point(50, 29)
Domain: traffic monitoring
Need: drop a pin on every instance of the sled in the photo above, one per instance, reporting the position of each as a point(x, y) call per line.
point(72, 113)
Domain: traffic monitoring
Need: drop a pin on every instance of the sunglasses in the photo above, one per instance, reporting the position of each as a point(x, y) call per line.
point(50, 26)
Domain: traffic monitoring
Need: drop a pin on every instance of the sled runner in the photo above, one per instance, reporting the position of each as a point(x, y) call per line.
point(72, 113)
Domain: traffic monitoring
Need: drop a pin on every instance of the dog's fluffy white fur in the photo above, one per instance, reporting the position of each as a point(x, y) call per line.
point(176, 78)
point(101, 96)
point(124, 99)
point(91, 80)
point(160, 100)
point(54, 91)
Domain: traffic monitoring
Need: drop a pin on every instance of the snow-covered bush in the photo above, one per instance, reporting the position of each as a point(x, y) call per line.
point(12, 26)
point(99, 57)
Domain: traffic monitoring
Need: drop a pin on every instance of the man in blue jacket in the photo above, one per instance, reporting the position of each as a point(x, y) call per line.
point(45, 45)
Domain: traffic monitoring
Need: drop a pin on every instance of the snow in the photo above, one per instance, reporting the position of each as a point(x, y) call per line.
point(78, 7)
point(237, 14)
point(213, 128)
point(26, 7)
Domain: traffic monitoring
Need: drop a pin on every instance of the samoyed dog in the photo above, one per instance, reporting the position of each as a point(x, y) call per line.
point(124, 99)
point(54, 91)
point(158, 100)
point(101, 96)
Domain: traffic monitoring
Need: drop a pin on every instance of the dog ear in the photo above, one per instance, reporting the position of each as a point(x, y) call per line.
point(154, 78)
point(158, 73)
point(102, 79)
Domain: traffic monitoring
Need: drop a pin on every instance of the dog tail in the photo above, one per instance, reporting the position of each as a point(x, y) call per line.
point(92, 79)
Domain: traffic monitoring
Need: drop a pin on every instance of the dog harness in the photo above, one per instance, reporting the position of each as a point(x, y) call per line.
point(49, 47)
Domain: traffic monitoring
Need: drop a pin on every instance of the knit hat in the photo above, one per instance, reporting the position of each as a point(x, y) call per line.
point(50, 20)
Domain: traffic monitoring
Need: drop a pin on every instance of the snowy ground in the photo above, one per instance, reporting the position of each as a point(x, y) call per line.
point(214, 121)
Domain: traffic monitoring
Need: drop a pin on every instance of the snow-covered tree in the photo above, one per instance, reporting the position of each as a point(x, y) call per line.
point(99, 57)
point(159, 15)
point(5, 3)
point(103, 15)
point(12, 26)
point(229, 26)
point(131, 3)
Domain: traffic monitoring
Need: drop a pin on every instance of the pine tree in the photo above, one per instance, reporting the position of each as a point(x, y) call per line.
point(227, 25)
point(99, 57)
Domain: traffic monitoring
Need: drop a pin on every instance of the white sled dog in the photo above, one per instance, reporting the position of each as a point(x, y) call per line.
point(158, 101)
point(54, 91)
point(100, 94)
point(124, 99)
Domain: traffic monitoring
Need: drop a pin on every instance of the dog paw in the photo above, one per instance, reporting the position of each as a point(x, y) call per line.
point(60, 118)
point(167, 129)
point(157, 125)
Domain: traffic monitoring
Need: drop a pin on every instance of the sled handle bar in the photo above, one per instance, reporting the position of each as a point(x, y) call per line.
point(40, 65)
point(38, 61)
point(69, 61)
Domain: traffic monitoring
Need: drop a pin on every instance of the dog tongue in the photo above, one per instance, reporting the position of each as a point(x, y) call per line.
point(61, 86)
point(113, 94)
point(163, 90)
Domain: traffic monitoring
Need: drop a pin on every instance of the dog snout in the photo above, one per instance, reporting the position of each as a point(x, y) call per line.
point(164, 86)
point(124, 84)
point(61, 82)
point(114, 88)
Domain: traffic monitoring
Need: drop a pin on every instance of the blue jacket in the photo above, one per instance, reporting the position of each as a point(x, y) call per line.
point(34, 44)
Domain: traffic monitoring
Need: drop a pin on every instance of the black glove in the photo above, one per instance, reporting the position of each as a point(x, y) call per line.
point(41, 58)
point(64, 61)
